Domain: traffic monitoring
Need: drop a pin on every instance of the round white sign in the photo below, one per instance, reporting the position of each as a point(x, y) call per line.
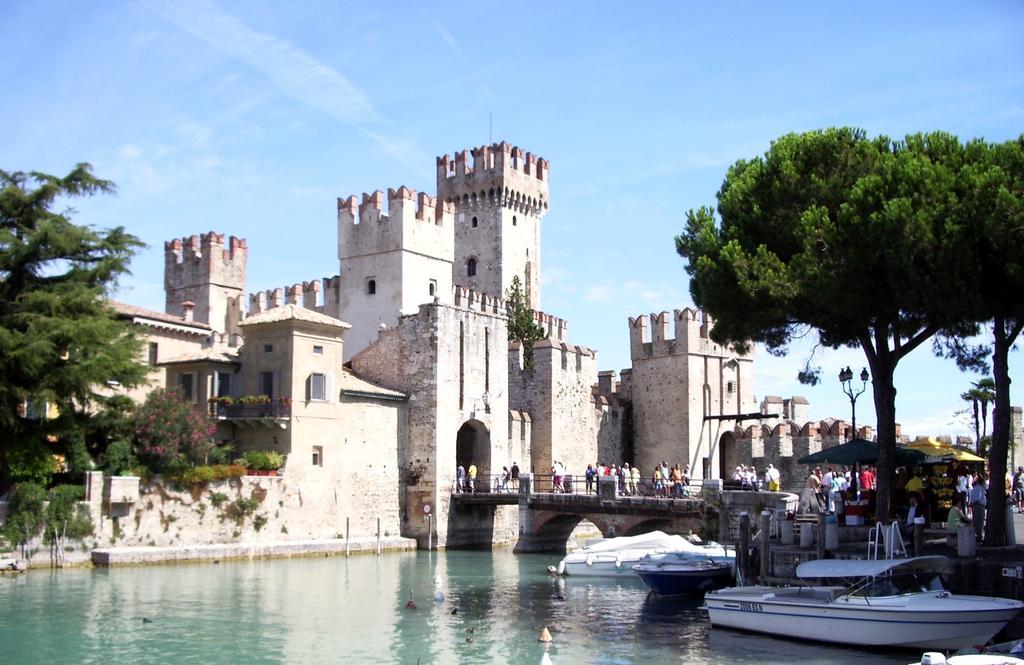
point(426, 509)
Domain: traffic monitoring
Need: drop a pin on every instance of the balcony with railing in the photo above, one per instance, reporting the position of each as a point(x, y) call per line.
point(243, 409)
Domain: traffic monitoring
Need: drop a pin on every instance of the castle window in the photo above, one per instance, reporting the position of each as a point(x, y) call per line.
point(318, 350)
point(317, 387)
point(471, 268)
point(223, 387)
point(371, 286)
point(187, 386)
point(267, 384)
point(432, 288)
point(268, 348)
point(318, 455)
point(474, 222)
point(514, 220)
point(730, 387)
point(153, 351)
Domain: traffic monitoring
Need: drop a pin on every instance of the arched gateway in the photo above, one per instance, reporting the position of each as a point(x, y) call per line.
point(473, 446)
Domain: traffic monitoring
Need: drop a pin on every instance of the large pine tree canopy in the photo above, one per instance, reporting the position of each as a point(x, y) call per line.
point(60, 343)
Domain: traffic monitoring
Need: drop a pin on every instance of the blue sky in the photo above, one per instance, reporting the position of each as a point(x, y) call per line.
point(250, 118)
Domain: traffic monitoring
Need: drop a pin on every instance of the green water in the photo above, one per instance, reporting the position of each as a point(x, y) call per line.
point(337, 610)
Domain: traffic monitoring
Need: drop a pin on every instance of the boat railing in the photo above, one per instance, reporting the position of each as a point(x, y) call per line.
point(889, 538)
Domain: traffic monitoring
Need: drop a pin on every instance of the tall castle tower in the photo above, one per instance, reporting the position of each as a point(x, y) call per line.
point(685, 387)
point(201, 270)
point(390, 263)
point(499, 202)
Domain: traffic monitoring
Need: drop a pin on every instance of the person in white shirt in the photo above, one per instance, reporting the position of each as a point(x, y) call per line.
point(912, 512)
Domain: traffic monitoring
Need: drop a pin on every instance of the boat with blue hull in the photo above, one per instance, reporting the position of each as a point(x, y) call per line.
point(680, 577)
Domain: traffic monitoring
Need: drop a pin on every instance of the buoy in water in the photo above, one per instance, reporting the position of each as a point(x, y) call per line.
point(411, 605)
point(545, 635)
point(438, 596)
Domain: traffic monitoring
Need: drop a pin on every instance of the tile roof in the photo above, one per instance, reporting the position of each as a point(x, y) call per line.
point(126, 310)
point(293, 313)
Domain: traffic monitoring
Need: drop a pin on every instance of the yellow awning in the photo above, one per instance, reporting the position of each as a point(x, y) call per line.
point(938, 449)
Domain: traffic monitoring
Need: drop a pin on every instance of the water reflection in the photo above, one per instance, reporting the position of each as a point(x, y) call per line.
point(331, 610)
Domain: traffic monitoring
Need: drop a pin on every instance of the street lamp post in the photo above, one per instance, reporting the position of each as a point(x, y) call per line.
point(846, 379)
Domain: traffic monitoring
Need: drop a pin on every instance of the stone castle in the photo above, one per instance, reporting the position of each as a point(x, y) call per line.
point(384, 377)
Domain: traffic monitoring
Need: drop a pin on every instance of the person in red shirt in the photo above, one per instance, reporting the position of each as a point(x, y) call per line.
point(867, 479)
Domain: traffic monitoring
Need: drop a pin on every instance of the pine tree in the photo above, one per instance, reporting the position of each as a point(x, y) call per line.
point(522, 326)
point(60, 343)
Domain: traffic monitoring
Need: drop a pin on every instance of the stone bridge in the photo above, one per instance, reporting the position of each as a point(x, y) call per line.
point(546, 520)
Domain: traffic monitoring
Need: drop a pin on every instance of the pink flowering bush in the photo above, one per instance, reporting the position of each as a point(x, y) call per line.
point(171, 435)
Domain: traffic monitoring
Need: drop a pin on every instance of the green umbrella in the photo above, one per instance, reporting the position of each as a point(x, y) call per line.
point(861, 451)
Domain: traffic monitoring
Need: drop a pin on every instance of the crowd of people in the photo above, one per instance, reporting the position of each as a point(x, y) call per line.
point(663, 480)
point(749, 479)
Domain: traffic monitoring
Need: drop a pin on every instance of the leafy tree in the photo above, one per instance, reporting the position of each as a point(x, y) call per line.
point(522, 326)
point(993, 215)
point(170, 434)
point(981, 394)
point(59, 342)
point(835, 233)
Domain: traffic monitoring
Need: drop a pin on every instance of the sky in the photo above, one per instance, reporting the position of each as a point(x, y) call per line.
point(251, 118)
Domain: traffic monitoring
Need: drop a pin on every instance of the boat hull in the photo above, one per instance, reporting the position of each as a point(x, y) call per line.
point(678, 581)
point(944, 626)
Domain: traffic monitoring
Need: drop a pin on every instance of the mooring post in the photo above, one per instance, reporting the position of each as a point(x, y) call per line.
point(348, 541)
point(430, 532)
point(766, 523)
point(821, 535)
point(743, 555)
point(378, 536)
point(918, 535)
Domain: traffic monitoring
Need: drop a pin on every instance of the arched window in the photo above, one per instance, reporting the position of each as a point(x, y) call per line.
point(474, 222)
point(371, 286)
point(433, 288)
point(471, 268)
point(514, 220)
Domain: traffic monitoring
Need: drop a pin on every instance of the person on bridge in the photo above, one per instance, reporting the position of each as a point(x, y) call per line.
point(471, 486)
point(460, 479)
point(773, 479)
point(504, 478)
point(590, 478)
point(634, 479)
point(513, 475)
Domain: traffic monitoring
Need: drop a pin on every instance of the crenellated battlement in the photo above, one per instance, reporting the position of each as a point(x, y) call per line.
point(555, 328)
point(195, 247)
point(403, 204)
point(468, 299)
point(684, 331)
point(411, 221)
point(500, 175)
point(302, 294)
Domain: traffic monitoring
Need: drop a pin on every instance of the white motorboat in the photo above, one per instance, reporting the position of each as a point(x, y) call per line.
point(615, 557)
point(891, 602)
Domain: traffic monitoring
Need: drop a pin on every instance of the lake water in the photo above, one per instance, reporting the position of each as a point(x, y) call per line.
point(338, 610)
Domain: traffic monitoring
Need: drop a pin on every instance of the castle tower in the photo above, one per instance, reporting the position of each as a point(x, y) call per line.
point(681, 378)
point(499, 203)
point(390, 263)
point(200, 269)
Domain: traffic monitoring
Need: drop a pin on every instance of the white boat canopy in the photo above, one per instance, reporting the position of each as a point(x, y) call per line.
point(846, 568)
point(652, 540)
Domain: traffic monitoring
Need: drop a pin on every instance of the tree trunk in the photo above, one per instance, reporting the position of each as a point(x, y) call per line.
point(995, 526)
point(884, 392)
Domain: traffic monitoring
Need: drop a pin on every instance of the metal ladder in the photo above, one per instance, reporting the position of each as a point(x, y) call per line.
point(891, 540)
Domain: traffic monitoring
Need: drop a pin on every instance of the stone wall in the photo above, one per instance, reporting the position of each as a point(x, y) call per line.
point(250, 508)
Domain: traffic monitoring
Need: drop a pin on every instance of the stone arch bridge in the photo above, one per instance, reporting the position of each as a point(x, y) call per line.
point(546, 520)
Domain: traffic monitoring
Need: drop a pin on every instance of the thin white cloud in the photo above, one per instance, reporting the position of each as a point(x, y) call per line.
point(406, 152)
point(446, 37)
point(294, 71)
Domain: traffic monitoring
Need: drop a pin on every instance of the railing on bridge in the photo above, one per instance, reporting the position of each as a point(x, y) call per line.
point(578, 485)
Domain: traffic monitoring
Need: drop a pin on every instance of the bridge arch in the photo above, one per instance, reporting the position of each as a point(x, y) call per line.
point(473, 446)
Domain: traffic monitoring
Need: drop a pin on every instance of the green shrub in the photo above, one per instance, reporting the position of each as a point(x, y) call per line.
point(25, 516)
point(264, 460)
point(201, 475)
point(217, 498)
point(119, 459)
point(259, 522)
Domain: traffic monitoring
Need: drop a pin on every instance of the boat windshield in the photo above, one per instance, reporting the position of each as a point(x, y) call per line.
point(900, 585)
